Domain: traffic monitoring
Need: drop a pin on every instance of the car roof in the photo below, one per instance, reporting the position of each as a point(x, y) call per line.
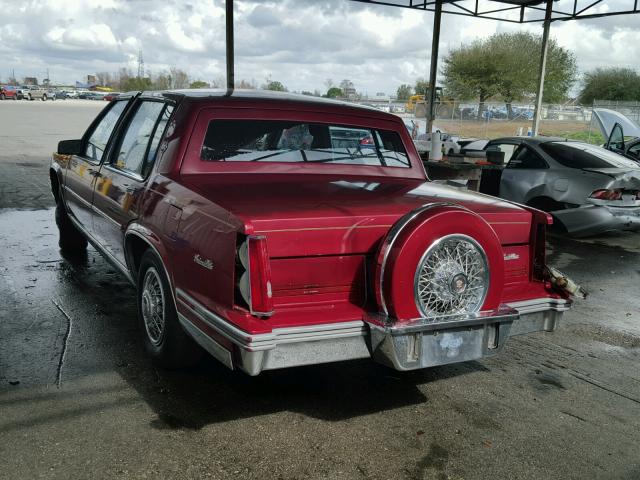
point(530, 140)
point(241, 95)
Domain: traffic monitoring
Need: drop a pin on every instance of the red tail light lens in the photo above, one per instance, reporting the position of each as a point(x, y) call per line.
point(255, 283)
point(367, 142)
point(538, 242)
point(606, 194)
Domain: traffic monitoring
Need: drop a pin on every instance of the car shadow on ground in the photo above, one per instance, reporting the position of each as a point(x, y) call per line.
point(210, 393)
point(74, 319)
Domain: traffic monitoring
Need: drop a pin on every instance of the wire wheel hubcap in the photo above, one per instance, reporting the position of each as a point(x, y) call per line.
point(153, 306)
point(452, 277)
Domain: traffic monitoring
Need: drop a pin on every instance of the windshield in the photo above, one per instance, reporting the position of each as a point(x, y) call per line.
point(583, 155)
point(295, 141)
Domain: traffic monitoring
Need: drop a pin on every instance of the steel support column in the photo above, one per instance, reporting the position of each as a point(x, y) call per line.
point(543, 66)
point(433, 74)
point(230, 45)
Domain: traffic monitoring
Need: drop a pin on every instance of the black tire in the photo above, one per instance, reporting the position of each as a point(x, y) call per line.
point(71, 240)
point(44, 97)
point(168, 345)
point(2, 97)
point(30, 97)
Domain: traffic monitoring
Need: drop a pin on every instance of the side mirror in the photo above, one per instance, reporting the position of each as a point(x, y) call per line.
point(70, 147)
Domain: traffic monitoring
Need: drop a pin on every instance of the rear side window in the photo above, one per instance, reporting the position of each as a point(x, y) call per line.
point(583, 155)
point(294, 141)
point(97, 142)
point(524, 157)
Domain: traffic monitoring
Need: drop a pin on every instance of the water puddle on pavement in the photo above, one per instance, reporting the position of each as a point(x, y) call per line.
point(49, 299)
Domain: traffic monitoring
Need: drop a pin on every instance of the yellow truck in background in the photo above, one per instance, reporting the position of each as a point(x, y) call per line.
point(417, 105)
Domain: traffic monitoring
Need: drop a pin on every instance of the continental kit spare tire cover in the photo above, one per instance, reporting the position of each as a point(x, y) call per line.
point(436, 261)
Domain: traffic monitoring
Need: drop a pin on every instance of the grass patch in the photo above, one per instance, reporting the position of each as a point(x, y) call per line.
point(592, 137)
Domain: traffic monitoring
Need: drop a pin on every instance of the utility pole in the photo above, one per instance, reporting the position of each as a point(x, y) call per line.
point(140, 64)
point(543, 66)
point(230, 46)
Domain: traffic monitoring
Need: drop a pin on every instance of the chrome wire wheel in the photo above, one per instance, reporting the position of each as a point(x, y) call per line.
point(452, 277)
point(153, 306)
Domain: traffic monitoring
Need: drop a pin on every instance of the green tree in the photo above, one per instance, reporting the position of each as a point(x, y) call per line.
point(199, 84)
point(622, 84)
point(137, 83)
point(404, 92)
point(274, 85)
point(469, 73)
point(334, 92)
point(506, 64)
point(518, 76)
point(422, 87)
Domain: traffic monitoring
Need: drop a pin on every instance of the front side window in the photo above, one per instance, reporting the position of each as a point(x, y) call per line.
point(132, 152)
point(506, 148)
point(296, 141)
point(98, 140)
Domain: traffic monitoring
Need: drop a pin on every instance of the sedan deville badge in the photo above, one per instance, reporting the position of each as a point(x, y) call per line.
point(203, 262)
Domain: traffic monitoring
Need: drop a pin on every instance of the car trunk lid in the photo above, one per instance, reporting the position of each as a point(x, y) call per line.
point(331, 215)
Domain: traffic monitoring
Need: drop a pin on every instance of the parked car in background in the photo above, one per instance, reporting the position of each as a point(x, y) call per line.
point(62, 94)
point(586, 188)
point(24, 92)
point(255, 225)
point(622, 134)
point(111, 96)
point(71, 93)
point(10, 92)
point(41, 92)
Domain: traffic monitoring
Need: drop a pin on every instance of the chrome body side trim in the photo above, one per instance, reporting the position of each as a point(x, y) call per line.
point(267, 341)
point(78, 197)
point(418, 344)
point(107, 255)
point(216, 350)
point(107, 217)
point(541, 304)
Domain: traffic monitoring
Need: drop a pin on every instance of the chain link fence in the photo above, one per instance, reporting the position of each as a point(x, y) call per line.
point(496, 119)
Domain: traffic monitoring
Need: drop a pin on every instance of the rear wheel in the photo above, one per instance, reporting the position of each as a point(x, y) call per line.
point(2, 97)
point(163, 337)
point(71, 240)
point(44, 97)
point(30, 97)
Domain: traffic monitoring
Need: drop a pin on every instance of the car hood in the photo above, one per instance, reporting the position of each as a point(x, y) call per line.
point(606, 119)
point(297, 207)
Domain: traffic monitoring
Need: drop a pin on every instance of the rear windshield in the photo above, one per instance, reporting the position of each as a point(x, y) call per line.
point(295, 141)
point(583, 155)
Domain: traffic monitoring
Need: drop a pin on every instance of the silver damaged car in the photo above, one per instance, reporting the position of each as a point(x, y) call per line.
point(586, 188)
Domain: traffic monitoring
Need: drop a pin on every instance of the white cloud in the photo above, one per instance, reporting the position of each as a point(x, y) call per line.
point(299, 42)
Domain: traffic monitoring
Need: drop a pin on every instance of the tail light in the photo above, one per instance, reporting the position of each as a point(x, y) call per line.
point(538, 242)
point(606, 194)
point(254, 275)
point(367, 142)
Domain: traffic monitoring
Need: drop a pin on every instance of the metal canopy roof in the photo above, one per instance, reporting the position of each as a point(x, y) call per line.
point(520, 11)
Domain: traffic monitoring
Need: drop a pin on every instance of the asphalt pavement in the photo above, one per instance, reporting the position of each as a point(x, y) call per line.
point(78, 398)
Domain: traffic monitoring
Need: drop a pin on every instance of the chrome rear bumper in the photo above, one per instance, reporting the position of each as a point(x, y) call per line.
point(419, 344)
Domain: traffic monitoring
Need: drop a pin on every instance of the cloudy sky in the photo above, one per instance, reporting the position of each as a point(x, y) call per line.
point(302, 43)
